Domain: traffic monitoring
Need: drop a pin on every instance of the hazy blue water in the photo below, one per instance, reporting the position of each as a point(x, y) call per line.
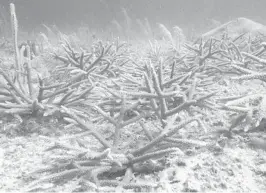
point(99, 13)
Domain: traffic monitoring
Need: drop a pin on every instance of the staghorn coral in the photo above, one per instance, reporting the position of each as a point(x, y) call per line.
point(108, 82)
